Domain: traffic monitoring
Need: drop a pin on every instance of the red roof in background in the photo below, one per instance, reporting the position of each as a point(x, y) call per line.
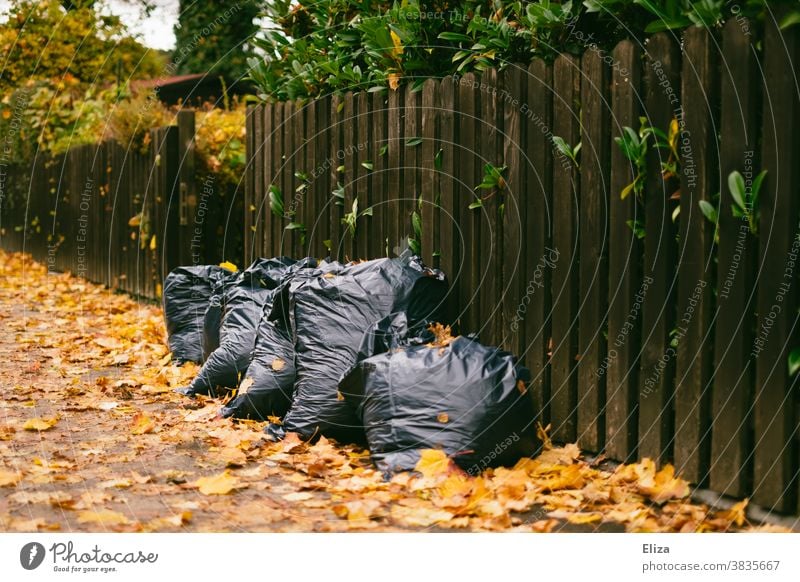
point(165, 81)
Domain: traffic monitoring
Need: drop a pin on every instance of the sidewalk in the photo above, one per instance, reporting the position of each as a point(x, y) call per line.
point(92, 438)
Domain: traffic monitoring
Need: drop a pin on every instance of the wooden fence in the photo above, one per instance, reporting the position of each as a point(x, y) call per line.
point(669, 346)
point(114, 214)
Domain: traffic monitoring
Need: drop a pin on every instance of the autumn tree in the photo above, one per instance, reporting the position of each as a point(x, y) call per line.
point(214, 36)
point(43, 40)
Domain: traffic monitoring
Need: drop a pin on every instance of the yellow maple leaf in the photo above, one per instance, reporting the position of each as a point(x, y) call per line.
point(660, 486)
point(737, 514)
point(433, 463)
point(40, 424)
point(220, 484)
point(142, 424)
point(102, 517)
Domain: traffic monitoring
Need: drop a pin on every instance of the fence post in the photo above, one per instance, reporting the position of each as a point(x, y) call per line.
point(187, 188)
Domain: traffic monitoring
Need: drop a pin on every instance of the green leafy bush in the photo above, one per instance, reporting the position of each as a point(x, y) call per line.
point(336, 45)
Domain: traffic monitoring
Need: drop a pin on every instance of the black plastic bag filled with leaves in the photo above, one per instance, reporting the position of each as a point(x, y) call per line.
point(329, 313)
point(243, 303)
point(451, 393)
point(186, 294)
point(266, 390)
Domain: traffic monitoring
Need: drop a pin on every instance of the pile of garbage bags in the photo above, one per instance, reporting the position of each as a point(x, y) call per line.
point(357, 352)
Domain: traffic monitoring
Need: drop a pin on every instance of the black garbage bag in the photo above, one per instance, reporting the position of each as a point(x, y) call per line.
point(185, 297)
point(213, 316)
point(329, 313)
point(269, 381)
point(242, 305)
point(455, 394)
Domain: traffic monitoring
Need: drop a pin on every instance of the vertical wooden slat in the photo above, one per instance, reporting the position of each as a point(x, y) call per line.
point(269, 128)
point(450, 244)
point(336, 177)
point(490, 311)
point(593, 233)
point(775, 468)
point(658, 310)
point(287, 179)
point(364, 175)
point(187, 202)
point(468, 170)
point(395, 153)
point(626, 288)
point(535, 315)
point(378, 123)
point(296, 162)
point(732, 436)
point(253, 196)
point(411, 164)
point(512, 252)
point(698, 144)
point(566, 84)
point(349, 161)
point(320, 185)
point(429, 184)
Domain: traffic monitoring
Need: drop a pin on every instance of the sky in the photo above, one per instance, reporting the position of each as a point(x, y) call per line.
point(155, 32)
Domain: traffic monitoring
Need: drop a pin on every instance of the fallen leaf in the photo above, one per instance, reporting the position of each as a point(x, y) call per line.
point(9, 478)
point(102, 517)
point(278, 364)
point(245, 385)
point(433, 463)
point(142, 424)
point(40, 424)
point(116, 483)
point(220, 484)
point(443, 417)
point(298, 496)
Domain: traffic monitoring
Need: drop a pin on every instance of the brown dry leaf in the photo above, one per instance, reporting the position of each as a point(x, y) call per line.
point(173, 521)
point(9, 478)
point(359, 510)
point(736, 515)
point(142, 424)
point(115, 483)
point(40, 424)
point(663, 485)
point(102, 517)
point(220, 484)
point(233, 457)
point(419, 516)
point(298, 496)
